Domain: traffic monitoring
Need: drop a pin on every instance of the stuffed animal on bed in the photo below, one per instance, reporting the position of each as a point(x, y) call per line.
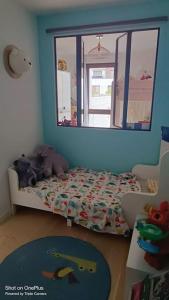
point(53, 162)
point(29, 170)
point(26, 174)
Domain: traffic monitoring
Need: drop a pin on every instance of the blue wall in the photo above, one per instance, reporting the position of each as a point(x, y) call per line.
point(104, 148)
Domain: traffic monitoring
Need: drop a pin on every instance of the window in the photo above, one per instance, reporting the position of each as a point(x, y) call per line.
point(106, 80)
point(66, 80)
point(99, 103)
point(95, 90)
point(97, 74)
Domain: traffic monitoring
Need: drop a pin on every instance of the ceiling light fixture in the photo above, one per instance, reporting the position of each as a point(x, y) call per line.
point(99, 50)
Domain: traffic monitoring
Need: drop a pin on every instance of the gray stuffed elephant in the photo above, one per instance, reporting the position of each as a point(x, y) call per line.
point(26, 173)
point(52, 163)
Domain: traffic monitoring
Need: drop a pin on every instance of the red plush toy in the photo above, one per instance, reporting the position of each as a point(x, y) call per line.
point(160, 217)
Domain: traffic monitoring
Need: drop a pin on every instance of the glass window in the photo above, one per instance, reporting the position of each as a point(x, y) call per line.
point(66, 81)
point(115, 74)
point(119, 83)
point(141, 79)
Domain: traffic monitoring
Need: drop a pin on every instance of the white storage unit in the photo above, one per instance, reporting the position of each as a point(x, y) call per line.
point(64, 95)
point(136, 268)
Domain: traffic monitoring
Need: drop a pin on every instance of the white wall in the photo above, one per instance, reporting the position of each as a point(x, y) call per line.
point(20, 110)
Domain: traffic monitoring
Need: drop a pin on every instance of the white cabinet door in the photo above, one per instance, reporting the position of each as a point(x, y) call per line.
point(64, 95)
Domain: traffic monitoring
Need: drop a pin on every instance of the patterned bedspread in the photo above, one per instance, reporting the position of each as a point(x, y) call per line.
point(90, 198)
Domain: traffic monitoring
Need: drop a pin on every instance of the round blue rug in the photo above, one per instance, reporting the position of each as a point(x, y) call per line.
point(55, 268)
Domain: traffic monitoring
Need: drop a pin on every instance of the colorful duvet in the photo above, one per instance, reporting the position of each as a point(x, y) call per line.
point(90, 198)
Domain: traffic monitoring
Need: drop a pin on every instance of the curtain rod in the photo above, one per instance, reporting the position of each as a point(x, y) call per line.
point(92, 26)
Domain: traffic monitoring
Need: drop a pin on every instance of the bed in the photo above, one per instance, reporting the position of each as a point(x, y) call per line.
point(98, 200)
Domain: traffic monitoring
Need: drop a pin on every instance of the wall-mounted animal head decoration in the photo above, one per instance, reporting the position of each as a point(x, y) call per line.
point(15, 61)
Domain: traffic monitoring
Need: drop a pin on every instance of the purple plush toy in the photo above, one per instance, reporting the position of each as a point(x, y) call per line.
point(53, 163)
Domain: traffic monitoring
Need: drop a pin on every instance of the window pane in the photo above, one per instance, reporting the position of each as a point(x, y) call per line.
point(100, 83)
point(66, 81)
point(95, 90)
point(142, 66)
point(99, 62)
point(121, 45)
point(99, 120)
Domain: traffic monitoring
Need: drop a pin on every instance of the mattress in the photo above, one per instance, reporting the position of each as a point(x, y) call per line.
point(90, 198)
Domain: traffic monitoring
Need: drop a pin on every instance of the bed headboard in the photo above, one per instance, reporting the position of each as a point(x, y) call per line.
point(13, 180)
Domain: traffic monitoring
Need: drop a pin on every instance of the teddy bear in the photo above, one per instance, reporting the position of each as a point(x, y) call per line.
point(18, 61)
point(62, 65)
point(53, 163)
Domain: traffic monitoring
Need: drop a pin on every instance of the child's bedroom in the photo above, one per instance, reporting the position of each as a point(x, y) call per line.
point(84, 127)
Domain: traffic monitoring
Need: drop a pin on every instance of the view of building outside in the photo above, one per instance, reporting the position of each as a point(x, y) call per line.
point(100, 86)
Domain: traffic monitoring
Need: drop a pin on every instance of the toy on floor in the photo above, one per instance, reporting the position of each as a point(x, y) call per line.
point(61, 273)
point(83, 264)
point(154, 235)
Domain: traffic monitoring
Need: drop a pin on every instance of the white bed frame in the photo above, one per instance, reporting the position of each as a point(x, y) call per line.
point(132, 202)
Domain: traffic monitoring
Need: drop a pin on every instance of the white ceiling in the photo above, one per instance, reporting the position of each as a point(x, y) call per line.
point(43, 6)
